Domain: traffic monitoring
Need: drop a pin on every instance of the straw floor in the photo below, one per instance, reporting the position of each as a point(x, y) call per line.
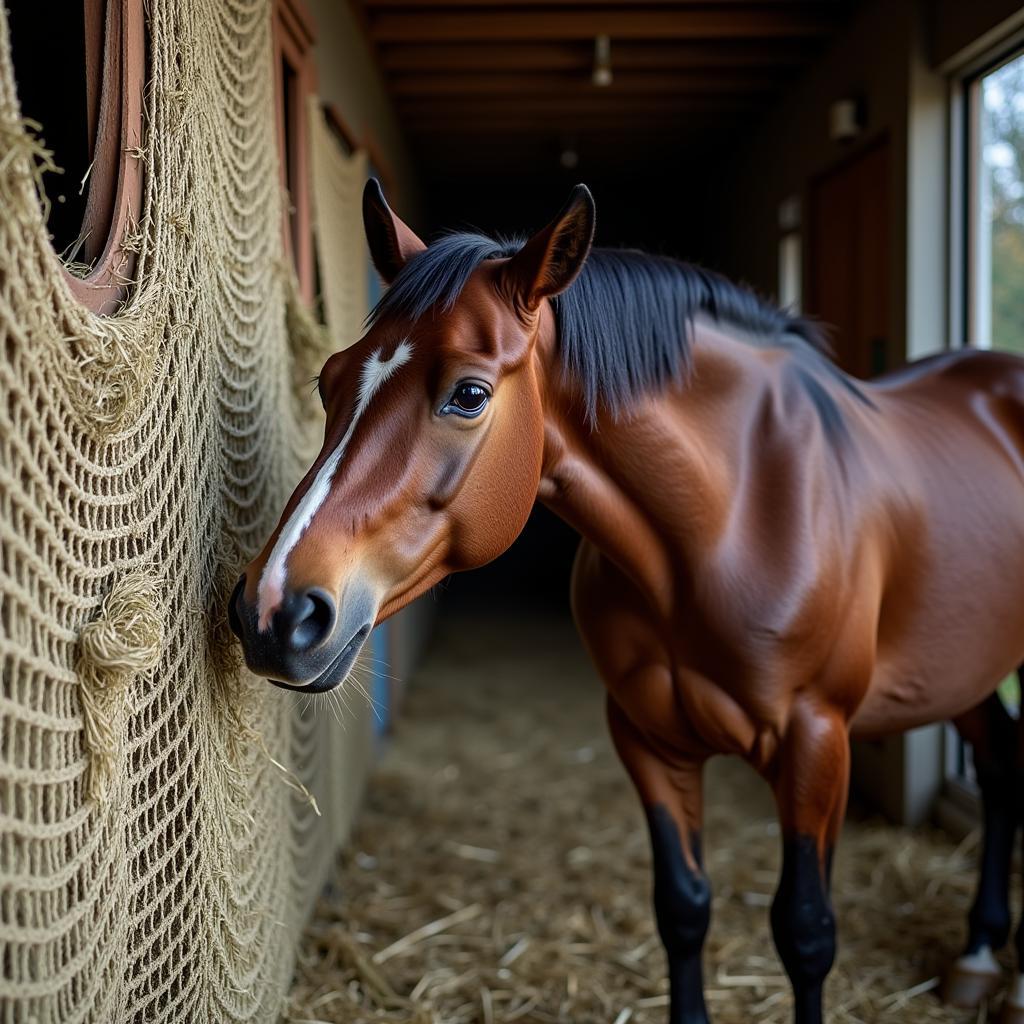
point(499, 870)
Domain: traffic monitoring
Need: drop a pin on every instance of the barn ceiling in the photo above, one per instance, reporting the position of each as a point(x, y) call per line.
point(508, 87)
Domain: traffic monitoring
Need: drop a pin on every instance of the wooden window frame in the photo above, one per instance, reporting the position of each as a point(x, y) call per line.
point(964, 161)
point(958, 808)
point(294, 37)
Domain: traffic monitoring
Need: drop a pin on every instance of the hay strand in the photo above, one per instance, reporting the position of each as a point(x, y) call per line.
point(124, 640)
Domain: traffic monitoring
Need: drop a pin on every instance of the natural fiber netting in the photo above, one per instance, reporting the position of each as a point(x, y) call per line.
point(159, 846)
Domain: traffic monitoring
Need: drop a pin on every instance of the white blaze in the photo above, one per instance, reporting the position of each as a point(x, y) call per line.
point(271, 587)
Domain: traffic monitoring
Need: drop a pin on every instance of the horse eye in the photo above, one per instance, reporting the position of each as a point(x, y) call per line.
point(469, 399)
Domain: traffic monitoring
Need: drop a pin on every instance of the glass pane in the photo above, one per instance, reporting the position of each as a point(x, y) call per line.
point(1000, 253)
point(1009, 691)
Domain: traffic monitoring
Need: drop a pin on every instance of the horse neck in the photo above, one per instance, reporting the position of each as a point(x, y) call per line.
point(652, 488)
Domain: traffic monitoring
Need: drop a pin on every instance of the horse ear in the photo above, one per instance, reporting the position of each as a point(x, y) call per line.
point(392, 242)
point(551, 259)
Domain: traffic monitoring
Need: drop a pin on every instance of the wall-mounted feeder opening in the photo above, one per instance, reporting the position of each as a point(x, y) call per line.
point(80, 79)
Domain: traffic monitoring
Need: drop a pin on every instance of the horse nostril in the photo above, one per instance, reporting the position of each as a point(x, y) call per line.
point(311, 619)
point(234, 621)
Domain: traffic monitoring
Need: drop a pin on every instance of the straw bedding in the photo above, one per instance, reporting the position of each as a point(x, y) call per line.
point(499, 870)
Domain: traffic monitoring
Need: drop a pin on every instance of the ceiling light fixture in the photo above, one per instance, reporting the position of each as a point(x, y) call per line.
point(602, 74)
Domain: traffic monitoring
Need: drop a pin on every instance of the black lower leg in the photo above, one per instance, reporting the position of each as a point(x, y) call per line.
point(1019, 938)
point(682, 905)
point(989, 918)
point(804, 926)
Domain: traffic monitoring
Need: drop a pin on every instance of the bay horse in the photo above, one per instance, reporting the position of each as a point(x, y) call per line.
point(774, 557)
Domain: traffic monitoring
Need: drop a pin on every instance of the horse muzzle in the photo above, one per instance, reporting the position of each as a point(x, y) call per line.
point(310, 644)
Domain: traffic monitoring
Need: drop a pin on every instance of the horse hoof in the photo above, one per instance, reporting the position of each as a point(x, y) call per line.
point(968, 989)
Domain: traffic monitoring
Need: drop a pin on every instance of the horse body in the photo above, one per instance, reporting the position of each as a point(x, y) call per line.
point(888, 573)
point(774, 556)
point(776, 593)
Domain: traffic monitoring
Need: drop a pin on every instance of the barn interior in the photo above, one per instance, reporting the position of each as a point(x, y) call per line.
point(504, 108)
point(819, 153)
point(470, 849)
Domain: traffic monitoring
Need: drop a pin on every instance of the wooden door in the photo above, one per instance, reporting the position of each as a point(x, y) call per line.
point(848, 260)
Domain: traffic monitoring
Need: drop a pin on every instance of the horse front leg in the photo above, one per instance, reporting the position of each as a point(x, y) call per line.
point(810, 779)
point(671, 795)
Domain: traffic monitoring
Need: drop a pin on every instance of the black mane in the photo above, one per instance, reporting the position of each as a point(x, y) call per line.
point(625, 325)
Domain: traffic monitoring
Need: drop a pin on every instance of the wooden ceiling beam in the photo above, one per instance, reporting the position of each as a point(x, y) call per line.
point(525, 140)
point(519, 138)
point(528, 131)
point(625, 4)
point(456, 108)
point(594, 162)
point(570, 131)
point(559, 87)
point(456, 123)
point(620, 143)
point(736, 21)
point(448, 58)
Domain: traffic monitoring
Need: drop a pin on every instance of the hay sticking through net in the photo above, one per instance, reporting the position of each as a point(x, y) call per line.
point(113, 358)
point(23, 156)
point(311, 342)
point(124, 640)
point(225, 652)
point(114, 369)
point(500, 870)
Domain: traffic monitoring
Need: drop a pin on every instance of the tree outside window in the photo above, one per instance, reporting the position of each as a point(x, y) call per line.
point(998, 299)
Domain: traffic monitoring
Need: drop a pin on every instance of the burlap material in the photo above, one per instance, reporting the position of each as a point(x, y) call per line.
point(159, 847)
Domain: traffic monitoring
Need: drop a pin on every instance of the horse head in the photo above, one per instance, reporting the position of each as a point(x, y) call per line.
point(432, 448)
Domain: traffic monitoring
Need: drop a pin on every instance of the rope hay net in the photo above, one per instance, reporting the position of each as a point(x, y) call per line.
point(160, 844)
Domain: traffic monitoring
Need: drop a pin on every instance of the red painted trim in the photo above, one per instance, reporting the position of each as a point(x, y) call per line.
point(115, 183)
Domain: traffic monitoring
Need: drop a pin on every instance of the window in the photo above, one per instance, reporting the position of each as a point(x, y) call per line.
point(995, 216)
point(987, 298)
point(79, 79)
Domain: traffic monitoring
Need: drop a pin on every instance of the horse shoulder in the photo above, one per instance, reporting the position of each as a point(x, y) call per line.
point(686, 710)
